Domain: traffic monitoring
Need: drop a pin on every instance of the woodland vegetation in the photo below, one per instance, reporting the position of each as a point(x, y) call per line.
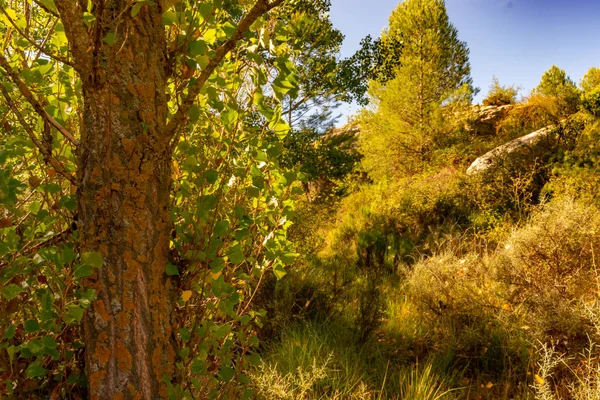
point(180, 219)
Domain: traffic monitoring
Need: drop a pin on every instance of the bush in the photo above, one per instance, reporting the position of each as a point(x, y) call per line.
point(462, 302)
point(550, 266)
point(500, 95)
point(591, 102)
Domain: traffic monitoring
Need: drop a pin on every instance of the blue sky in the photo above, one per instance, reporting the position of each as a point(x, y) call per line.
point(515, 40)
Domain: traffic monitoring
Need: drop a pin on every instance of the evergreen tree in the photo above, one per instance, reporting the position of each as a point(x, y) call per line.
point(433, 78)
point(590, 96)
point(557, 85)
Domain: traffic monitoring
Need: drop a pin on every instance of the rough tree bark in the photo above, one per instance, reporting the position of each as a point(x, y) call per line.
point(124, 173)
point(124, 183)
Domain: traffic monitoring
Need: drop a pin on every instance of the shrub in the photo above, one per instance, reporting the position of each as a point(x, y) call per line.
point(591, 102)
point(500, 95)
point(462, 302)
point(550, 266)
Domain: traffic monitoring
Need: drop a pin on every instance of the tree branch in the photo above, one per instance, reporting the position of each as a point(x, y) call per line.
point(46, 152)
point(33, 101)
point(77, 35)
point(260, 8)
point(36, 45)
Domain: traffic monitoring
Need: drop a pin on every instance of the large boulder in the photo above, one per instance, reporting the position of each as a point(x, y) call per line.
point(517, 146)
point(485, 119)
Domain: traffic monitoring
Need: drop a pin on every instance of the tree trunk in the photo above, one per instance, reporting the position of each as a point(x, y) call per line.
point(124, 173)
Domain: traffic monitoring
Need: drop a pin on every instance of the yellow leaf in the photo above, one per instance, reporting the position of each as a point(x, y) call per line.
point(186, 295)
point(489, 385)
point(539, 379)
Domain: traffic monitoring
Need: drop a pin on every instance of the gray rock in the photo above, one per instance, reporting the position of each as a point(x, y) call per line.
point(486, 119)
point(514, 146)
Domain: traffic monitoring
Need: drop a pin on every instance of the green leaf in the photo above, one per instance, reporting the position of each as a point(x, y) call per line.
point(217, 265)
point(169, 18)
point(172, 270)
point(185, 335)
point(35, 370)
point(241, 234)
point(35, 346)
point(203, 61)
point(86, 299)
point(135, 9)
point(197, 48)
point(211, 176)
point(49, 342)
point(11, 353)
point(221, 228)
point(74, 314)
point(289, 258)
point(236, 256)
point(194, 114)
point(83, 271)
point(229, 117)
point(226, 373)
point(184, 353)
point(10, 291)
point(31, 326)
point(275, 149)
point(68, 202)
point(88, 18)
point(92, 259)
point(109, 39)
point(281, 129)
point(10, 332)
point(279, 271)
point(198, 366)
point(49, 4)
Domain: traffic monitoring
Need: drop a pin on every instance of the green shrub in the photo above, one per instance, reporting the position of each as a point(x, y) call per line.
point(500, 95)
point(591, 102)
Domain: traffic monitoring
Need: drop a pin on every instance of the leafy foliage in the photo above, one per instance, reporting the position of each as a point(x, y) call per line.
point(230, 210)
point(500, 95)
point(556, 84)
point(432, 84)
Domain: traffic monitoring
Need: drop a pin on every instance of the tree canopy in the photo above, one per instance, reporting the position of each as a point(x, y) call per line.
point(433, 74)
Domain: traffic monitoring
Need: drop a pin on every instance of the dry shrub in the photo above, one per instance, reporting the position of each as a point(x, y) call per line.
point(537, 112)
point(463, 303)
point(550, 266)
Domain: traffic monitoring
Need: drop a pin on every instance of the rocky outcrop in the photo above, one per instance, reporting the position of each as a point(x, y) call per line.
point(518, 145)
point(486, 119)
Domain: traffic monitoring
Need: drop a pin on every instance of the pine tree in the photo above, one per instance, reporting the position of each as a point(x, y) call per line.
point(558, 87)
point(433, 77)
